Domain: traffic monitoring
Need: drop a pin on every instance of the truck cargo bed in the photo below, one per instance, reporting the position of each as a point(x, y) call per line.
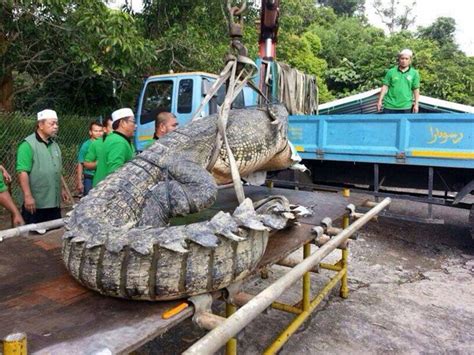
point(436, 140)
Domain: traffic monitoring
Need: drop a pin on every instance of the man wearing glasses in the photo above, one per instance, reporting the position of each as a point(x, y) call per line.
point(118, 148)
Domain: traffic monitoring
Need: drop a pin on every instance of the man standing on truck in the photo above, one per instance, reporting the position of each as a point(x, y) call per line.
point(39, 168)
point(85, 176)
point(400, 91)
point(117, 147)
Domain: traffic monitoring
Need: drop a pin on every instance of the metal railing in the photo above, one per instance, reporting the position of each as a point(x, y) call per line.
point(230, 327)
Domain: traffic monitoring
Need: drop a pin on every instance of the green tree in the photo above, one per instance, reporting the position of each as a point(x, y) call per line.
point(349, 48)
point(24, 43)
point(66, 54)
point(442, 31)
point(345, 7)
point(297, 15)
point(193, 35)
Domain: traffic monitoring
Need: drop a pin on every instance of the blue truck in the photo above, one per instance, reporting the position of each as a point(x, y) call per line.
point(426, 157)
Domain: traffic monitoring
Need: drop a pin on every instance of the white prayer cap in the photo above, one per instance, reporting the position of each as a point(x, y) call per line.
point(45, 114)
point(407, 52)
point(122, 113)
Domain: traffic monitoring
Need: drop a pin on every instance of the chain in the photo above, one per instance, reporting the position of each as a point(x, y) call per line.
point(236, 26)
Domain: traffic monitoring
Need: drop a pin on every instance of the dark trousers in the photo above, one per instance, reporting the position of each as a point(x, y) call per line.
point(389, 110)
point(41, 215)
point(87, 184)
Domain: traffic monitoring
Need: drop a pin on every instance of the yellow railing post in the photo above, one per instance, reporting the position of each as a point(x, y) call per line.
point(344, 291)
point(306, 280)
point(15, 344)
point(231, 346)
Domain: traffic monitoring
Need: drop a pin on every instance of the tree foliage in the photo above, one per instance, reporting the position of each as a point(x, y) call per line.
point(441, 30)
point(66, 54)
point(83, 57)
point(345, 7)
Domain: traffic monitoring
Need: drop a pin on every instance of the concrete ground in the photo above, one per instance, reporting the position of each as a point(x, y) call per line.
point(411, 291)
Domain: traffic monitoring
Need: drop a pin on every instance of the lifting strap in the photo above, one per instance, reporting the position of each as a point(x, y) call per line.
point(298, 91)
point(237, 72)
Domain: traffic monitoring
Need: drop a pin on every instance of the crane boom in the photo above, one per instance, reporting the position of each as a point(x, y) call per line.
point(268, 29)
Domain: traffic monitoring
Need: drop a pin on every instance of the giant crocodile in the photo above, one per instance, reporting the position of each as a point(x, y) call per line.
point(119, 241)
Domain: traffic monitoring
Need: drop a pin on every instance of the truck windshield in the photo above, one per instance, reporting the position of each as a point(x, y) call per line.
point(158, 98)
point(238, 102)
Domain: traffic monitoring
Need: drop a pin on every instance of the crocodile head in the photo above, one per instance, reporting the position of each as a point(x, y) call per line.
point(257, 136)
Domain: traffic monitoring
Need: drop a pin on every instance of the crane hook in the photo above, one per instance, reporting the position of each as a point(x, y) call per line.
point(236, 10)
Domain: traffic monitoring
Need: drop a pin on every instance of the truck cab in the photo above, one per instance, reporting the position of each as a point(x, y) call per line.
point(180, 94)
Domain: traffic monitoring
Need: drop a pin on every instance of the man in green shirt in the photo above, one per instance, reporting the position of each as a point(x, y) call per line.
point(95, 154)
point(117, 147)
point(84, 176)
point(6, 199)
point(39, 168)
point(400, 92)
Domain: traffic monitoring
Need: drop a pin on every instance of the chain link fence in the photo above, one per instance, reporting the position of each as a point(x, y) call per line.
point(73, 130)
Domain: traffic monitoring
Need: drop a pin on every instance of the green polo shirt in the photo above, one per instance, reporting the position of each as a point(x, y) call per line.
point(3, 186)
point(95, 153)
point(43, 163)
point(400, 88)
point(24, 156)
point(81, 156)
point(116, 151)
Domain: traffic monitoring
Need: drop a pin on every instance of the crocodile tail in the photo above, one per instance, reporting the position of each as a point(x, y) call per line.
point(175, 262)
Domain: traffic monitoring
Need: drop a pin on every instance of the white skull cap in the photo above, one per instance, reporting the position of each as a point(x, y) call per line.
point(122, 113)
point(407, 52)
point(45, 114)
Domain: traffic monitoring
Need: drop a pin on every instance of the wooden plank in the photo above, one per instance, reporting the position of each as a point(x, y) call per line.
point(54, 310)
point(283, 243)
point(122, 326)
point(39, 297)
